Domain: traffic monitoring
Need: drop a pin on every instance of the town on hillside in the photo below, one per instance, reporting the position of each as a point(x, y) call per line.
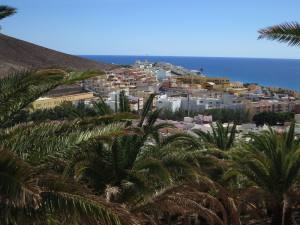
point(187, 98)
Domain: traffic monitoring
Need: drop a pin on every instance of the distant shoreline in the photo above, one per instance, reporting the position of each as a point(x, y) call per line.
point(180, 56)
point(283, 73)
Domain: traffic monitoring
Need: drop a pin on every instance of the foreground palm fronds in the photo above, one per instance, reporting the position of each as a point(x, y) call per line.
point(136, 160)
point(28, 196)
point(286, 32)
point(6, 11)
point(118, 168)
point(19, 90)
point(220, 137)
point(192, 203)
point(28, 140)
point(271, 162)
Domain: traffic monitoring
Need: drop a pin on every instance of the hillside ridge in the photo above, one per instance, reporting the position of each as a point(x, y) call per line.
point(18, 55)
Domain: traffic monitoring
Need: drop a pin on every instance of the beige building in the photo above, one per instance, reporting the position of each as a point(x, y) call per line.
point(269, 106)
point(51, 102)
point(209, 83)
point(123, 78)
point(56, 97)
point(224, 81)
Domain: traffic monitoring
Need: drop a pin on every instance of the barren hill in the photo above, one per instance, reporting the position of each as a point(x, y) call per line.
point(16, 55)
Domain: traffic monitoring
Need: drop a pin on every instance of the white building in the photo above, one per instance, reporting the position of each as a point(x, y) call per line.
point(143, 64)
point(113, 99)
point(162, 74)
point(198, 104)
point(168, 103)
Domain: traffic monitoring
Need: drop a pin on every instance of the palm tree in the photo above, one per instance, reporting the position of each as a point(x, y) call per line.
point(124, 102)
point(271, 163)
point(6, 11)
point(192, 203)
point(28, 193)
point(220, 137)
point(138, 162)
point(286, 32)
point(28, 196)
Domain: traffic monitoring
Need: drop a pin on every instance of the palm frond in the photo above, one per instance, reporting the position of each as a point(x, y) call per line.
point(102, 108)
point(146, 109)
point(182, 139)
point(268, 162)
point(73, 77)
point(107, 119)
point(286, 32)
point(20, 89)
point(154, 168)
point(188, 200)
point(220, 137)
point(6, 11)
point(36, 143)
point(17, 183)
point(63, 197)
point(83, 208)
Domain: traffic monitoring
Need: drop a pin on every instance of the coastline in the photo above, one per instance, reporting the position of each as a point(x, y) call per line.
point(283, 73)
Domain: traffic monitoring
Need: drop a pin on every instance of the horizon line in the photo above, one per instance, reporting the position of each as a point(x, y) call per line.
point(188, 56)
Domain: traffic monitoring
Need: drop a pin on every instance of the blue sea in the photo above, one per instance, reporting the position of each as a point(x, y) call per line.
point(269, 72)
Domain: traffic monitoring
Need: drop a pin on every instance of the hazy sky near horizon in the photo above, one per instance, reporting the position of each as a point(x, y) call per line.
point(226, 28)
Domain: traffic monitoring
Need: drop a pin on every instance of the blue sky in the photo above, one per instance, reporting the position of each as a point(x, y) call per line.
point(153, 27)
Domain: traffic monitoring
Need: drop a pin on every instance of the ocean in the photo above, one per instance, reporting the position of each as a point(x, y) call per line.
point(283, 73)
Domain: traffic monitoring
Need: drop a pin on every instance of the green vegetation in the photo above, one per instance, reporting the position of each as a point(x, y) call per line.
point(31, 192)
point(93, 166)
point(69, 111)
point(229, 115)
point(272, 118)
point(124, 102)
point(271, 163)
point(46, 166)
point(6, 11)
point(220, 137)
point(88, 165)
point(286, 32)
point(222, 115)
point(66, 111)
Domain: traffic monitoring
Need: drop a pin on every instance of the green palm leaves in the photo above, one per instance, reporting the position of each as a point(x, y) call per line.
point(19, 90)
point(137, 160)
point(18, 187)
point(220, 137)
point(27, 196)
point(62, 170)
point(271, 161)
point(30, 192)
point(6, 11)
point(205, 201)
point(286, 32)
point(124, 102)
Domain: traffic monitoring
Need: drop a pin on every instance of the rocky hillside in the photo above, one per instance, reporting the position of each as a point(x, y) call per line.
point(19, 55)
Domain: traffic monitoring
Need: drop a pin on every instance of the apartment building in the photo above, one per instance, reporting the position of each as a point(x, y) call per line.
point(169, 103)
point(194, 104)
point(71, 93)
point(123, 78)
point(269, 106)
